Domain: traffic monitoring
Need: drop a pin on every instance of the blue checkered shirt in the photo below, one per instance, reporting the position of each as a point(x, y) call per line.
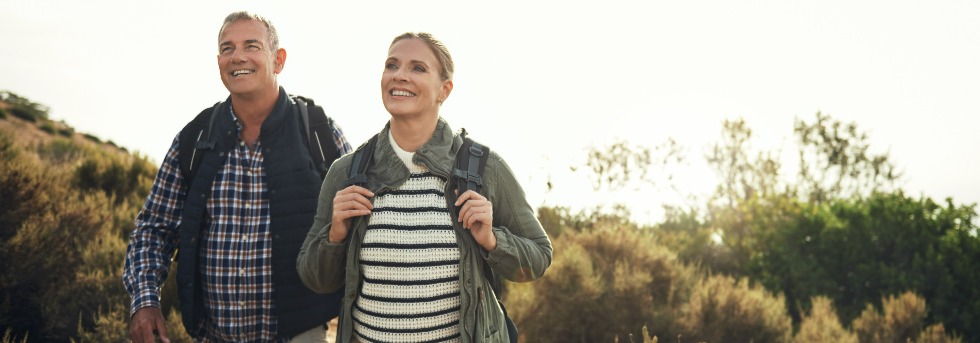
point(236, 251)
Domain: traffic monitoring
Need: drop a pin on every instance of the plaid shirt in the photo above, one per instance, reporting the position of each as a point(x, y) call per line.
point(237, 253)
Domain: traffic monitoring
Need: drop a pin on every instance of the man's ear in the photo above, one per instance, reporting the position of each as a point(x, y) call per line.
point(280, 60)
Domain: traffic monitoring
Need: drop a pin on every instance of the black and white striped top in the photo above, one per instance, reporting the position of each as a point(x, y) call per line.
point(410, 265)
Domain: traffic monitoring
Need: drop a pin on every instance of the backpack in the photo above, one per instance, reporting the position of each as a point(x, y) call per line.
point(467, 174)
point(315, 122)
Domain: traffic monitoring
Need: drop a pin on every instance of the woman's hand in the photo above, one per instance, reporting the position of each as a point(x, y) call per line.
point(349, 202)
point(476, 215)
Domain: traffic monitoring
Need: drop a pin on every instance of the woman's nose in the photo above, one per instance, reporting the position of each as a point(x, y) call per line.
point(399, 75)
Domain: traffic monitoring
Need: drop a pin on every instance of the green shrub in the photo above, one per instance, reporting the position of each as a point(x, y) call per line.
point(24, 114)
point(3, 113)
point(92, 138)
point(47, 127)
point(66, 131)
point(60, 151)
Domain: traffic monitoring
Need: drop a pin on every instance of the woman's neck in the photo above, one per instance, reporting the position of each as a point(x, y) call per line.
point(411, 133)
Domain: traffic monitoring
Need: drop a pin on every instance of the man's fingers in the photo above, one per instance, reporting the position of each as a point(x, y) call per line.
point(161, 329)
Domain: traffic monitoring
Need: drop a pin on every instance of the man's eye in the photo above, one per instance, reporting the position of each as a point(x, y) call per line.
point(253, 47)
point(225, 50)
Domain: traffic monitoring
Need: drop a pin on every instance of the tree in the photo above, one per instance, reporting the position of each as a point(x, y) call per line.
point(835, 161)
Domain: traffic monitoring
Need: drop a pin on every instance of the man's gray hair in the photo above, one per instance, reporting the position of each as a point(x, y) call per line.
point(245, 15)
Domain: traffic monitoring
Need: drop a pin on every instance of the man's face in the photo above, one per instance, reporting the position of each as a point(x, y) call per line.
point(247, 64)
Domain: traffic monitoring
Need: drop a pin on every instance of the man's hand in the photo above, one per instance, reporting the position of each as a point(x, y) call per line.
point(146, 321)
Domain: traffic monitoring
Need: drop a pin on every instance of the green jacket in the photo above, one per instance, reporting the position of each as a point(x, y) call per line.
point(523, 250)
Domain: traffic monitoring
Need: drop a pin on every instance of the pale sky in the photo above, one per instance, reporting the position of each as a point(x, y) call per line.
point(540, 82)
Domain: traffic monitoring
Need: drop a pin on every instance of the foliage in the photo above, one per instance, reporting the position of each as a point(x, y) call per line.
point(722, 309)
point(603, 283)
point(621, 164)
point(901, 321)
point(68, 241)
point(114, 176)
point(835, 161)
point(857, 251)
point(47, 127)
point(821, 325)
point(23, 108)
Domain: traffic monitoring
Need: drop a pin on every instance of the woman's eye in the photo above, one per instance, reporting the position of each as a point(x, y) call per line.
point(390, 66)
point(420, 69)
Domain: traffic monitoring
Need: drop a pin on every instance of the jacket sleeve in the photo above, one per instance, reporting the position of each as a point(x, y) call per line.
point(321, 264)
point(523, 250)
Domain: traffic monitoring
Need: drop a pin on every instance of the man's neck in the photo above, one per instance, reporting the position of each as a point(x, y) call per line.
point(253, 109)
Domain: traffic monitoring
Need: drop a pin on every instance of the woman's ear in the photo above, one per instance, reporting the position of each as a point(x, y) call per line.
point(447, 87)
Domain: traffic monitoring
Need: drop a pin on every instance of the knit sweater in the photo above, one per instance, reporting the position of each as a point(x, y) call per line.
point(410, 260)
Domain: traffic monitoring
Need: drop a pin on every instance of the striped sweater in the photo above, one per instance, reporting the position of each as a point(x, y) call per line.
point(410, 263)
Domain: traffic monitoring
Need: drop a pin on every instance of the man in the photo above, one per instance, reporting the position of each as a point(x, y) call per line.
point(239, 212)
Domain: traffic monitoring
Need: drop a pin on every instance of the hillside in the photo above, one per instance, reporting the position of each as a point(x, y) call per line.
point(42, 131)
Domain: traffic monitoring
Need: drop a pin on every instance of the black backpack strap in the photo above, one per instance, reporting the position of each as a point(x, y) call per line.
point(319, 132)
point(190, 144)
point(359, 163)
point(471, 159)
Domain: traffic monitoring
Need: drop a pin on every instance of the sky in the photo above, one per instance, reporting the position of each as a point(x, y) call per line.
point(542, 82)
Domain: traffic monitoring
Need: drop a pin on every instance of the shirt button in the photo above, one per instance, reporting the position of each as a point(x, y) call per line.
point(241, 303)
point(242, 143)
point(245, 238)
point(241, 271)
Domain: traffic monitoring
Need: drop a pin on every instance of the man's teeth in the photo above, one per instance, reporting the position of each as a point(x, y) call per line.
point(241, 72)
point(402, 93)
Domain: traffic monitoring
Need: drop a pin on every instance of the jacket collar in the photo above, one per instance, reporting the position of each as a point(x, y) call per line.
point(437, 154)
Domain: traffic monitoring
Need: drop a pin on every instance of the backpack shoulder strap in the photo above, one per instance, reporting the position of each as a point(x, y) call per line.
point(471, 160)
point(197, 138)
point(318, 128)
point(359, 163)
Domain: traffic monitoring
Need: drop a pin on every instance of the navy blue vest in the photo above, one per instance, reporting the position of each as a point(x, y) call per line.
point(294, 185)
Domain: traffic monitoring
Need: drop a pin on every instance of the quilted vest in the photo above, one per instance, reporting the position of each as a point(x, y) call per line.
point(293, 184)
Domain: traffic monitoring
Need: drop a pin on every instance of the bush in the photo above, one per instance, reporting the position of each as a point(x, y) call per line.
point(902, 321)
point(722, 309)
point(47, 127)
point(602, 284)
point(66, 131)
point(92, 138)
point(60, 151)
point(822, 325)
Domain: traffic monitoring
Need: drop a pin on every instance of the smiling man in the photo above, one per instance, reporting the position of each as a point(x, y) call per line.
point(235, 195)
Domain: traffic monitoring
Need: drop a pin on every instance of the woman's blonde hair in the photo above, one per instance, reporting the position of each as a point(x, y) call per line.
point(446, 66)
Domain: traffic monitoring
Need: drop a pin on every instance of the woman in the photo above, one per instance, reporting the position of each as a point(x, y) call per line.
point(412, 268)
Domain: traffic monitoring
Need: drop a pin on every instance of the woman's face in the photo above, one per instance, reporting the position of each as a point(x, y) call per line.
point(411, 85)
